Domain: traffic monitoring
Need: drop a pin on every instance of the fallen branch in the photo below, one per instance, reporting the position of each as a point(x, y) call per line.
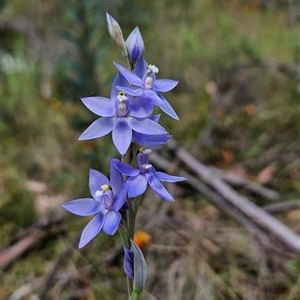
point(50, 278)
point(282, 206)
point(44, 227)
point(247, 184)
point(215, 198)
point(249, 209)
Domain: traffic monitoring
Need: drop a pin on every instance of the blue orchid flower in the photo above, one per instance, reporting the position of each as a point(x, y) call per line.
point(138, 179)
point(143, 83)
point(108, 199)
point(122, 114)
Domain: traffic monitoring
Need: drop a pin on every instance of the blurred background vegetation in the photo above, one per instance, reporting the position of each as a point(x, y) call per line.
point(54, 52)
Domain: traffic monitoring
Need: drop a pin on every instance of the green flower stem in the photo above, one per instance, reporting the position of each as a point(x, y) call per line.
point(124, 235)
point(130, 221)
point(129, 287)
point(135, 295)
point(132, 210)
point(126, 56)
point(136, 204)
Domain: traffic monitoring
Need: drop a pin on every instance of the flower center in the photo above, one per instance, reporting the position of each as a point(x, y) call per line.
point(148, 82)
point(107, 200)
point(122, 108)
point(145, 150)
point(107, 196)
point(145, 168)
point(153, 68)
point(149, 76)
point(121, 104)
point(104, 188)
point(122, 96)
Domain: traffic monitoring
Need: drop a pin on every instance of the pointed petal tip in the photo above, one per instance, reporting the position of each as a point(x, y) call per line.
point(170, 200)
point(82, 244)
point(117, 65)
point(83, 138)
point(66, 206)
point(121, 150)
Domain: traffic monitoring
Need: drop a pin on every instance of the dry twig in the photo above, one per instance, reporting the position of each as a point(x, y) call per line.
point(260, 217)
point(44, 227)
point(250, 185)
point(216, 199)
point(282, 206)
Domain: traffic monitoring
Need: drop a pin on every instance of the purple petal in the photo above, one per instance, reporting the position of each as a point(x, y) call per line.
point(124, 168)
point(164, 85)
point(96, 180)
point(153, 97)
point(140, 107)
point(128, 263)
point(98, 128)
point(167, 108)
point(83, 207)
point(112, 221)
point(150, 141)
point(130, 77)
point(120, 199)
point(122, 135)
point(91, 230)
point(100, 106)
point(140, 68)
point(146, 126)
point(169, 178)
point(116, 179)
point(158, 187)
point(131, 90)
point(156, 118)
point(136, 185)
point(119, 80)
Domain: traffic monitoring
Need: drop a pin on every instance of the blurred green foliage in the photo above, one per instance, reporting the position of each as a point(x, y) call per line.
point(54, 52)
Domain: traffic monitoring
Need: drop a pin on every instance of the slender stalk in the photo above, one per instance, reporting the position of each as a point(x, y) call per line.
point(132, 210)
point(129, 287)
point(130, 220)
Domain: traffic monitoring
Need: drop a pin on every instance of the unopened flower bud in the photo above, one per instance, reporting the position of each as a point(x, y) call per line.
point(128, 263)
point(139, 268)
point(135, 46)
point(114, 30)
